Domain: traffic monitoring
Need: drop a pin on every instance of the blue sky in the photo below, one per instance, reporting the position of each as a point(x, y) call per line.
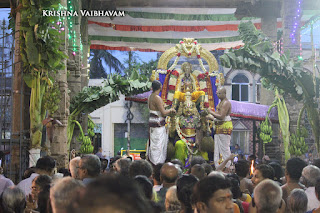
point(143, 56)
point(122, 56)
point(4, 14)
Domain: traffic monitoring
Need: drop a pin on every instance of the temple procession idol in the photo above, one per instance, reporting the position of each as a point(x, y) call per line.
point(192, 95)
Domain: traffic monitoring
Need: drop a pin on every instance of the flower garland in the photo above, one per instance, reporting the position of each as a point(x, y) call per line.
point(209, 101)
point(202, 78)
point(155, 74)
point(219, 78)
point(184, 139)
point(174, 78)
point(199, 59)
point(161, 71)
point(183, 48)
point(164, 94)
point(193, 44)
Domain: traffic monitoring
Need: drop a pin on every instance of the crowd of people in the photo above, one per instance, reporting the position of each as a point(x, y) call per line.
point(139, 186)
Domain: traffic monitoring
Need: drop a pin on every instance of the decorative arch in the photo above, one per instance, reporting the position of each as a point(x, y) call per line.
point(257, 77)
point(232, 73)
point(240, 78)
point(173, 51)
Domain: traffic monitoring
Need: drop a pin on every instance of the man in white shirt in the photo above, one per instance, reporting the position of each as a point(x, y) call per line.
point(4, 182)
point(309, 177)
point(157, 183)
point(44, 166)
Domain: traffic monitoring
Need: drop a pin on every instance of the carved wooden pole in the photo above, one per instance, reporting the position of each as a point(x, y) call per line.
point(20, 109)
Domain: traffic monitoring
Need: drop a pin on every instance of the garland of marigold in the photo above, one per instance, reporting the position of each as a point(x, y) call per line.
point(184, 139)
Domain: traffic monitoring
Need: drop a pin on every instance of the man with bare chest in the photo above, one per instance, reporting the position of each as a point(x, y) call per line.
point(223, 127)
point(158, 140)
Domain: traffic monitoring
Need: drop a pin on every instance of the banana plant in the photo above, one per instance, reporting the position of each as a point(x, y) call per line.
point(91, 126)
point(298, 145)
point(265, 132)
point(37, 111)
point(277, 71)
point(39, 44)
point(284, 122)
point(283, 115)
point(86, 144)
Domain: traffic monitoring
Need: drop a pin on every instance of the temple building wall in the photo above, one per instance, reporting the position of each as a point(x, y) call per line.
point(112, 119)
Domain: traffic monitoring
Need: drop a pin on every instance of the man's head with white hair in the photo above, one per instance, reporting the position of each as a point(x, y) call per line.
point(310, 174)
point(73, 166)
point(216, 174)
point(63, 192)
point(267, 196)
point(297, 201)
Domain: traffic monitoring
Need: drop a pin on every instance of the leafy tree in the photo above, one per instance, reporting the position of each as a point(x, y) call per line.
point(135, 64)
point(96, 68)
point(131, 62)
point(146, 68)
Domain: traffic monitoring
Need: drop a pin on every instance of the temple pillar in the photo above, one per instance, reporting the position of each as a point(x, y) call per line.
point(85, 51)
point(291, 41)
point(268, 27)
point(76, 68)
point(59, 148)
point(85, 66)
point(268, 11)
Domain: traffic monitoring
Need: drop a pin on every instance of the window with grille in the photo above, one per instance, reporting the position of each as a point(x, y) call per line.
point(240, 88)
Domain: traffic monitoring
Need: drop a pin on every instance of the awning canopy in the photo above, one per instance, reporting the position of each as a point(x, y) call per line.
point(238, 109)
point(158, 29)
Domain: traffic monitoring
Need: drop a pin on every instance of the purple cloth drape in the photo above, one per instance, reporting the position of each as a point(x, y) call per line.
point(238, 108)
point(162, 77)
point(214, 91)
point(252, 110)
